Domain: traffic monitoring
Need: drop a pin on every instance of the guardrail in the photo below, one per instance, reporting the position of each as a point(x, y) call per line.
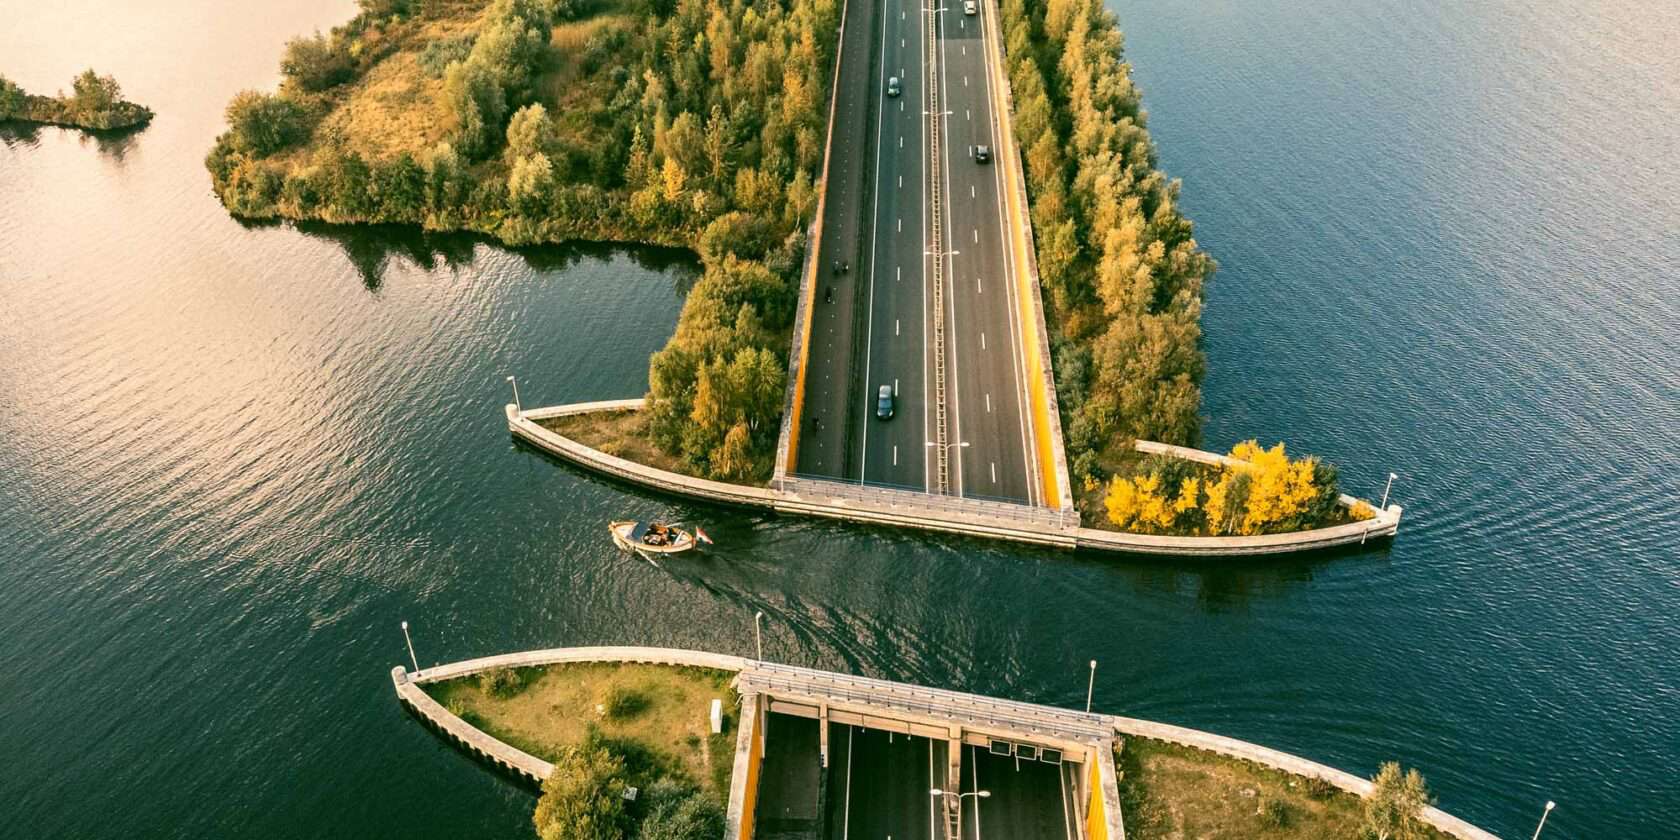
point(755, 677)
point(903, 508)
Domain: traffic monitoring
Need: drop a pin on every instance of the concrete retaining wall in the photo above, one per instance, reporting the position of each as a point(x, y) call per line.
point(749, 748)
point(929, 513)
point(515, 762)
point(1287, 763)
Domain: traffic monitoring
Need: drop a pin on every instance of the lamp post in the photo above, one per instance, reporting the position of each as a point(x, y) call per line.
point(516, 406)
point(411, 656)
point(1391, 477)
point(1090, 686)
point(1543, 815)
point(963, 445)
point(977, 794)
point(758, 633)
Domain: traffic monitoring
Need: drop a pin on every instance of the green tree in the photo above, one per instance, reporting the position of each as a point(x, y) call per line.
point(93, 94)
point(530, 132)
point(475, 96)
point(583, 797)
point(317, 62)
point(12, 99)
point(1393, 810)
point(262, 124)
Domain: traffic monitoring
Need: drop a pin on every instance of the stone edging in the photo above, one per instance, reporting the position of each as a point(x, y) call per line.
point(534, 769)
point(1292, 764)
point(523, 426)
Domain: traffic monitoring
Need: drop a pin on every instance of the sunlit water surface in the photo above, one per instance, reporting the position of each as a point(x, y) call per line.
point(233, 458)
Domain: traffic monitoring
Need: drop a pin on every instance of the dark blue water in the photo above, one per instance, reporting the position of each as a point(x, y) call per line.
point(232, 459)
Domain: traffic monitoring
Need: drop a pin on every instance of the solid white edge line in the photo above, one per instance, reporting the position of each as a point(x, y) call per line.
point(874, 246)
point(846, 819)
point(1016, 324)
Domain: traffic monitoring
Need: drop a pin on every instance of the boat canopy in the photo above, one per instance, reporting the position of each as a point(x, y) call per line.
point(638, 531)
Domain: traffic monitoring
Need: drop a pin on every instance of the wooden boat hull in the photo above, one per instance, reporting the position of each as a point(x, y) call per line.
point(621, 537)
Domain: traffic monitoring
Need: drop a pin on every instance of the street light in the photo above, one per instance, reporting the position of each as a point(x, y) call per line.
point(963, 445)
point(758, 633)
point(979, 793)
point(1090, 686)
point(1543, 815)
point(1391, 477)
point(410, 642)
point(516, 406)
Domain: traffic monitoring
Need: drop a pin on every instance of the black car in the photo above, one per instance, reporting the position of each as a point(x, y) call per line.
point(884, 403)
point(982, 154)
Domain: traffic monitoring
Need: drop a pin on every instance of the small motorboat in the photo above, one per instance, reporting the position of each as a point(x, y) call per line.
point(655, 537)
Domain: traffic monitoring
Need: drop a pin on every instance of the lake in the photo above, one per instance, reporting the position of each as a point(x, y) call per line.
point(233, 458)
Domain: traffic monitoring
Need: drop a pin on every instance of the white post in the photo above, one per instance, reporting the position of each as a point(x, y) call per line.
point(1543, 815)
point(516, 406)
point(1391, 477)
point(1090, 686)
point(758, 633)
point(410, 642)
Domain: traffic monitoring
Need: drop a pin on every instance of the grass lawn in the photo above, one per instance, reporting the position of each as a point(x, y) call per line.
point(1168, 792)
point(625, 435)
point(663, 728)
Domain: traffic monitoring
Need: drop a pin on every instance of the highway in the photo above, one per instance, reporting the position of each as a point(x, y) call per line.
point(872, 325)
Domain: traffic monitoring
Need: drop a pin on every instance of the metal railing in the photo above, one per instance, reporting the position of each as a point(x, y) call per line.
point(1012, 514)
point(936, 200)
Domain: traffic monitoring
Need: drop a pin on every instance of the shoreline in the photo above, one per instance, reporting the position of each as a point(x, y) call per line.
point(878, 506)
point(757, 679)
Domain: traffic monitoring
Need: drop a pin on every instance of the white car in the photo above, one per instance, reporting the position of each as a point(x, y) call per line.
point(970, 7)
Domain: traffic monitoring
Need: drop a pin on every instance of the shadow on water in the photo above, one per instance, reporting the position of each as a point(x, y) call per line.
point(371, 248)
point(1219, 584)
point(113, 143)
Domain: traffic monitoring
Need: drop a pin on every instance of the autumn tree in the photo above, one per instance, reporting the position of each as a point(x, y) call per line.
point(1393, 810)
point(583, 796)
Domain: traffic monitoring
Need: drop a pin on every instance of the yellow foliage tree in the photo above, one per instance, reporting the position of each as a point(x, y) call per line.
point(1278, 490)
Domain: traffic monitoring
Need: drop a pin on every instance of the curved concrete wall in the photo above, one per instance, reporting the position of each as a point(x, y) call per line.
point(896, 508)
point(1293, 764)
point(749, 744)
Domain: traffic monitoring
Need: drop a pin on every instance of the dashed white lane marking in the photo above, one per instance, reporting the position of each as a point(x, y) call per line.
point(988, 403)
point(982, 341)
point(895, 326)
point(977, 289)
point(901, 181)
point(971, 191)
point(994, 472)
point(900, 273)
point(976, 234)
point(901, 141)
point(901, 225)
point(895, 463)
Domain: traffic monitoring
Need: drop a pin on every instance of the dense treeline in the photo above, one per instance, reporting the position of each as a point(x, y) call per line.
point(1123, 277)
point(1264, 492)
point(695, 123)
point(94, 101)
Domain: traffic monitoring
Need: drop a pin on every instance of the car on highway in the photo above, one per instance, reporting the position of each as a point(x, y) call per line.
point(970, 7)
point(884, 403)
point(982, 154)
point(893, 88)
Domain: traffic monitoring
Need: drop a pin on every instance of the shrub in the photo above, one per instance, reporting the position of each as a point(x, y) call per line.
point(93, 95)
point(1317, 788)
point(12, 99)
point(1273, 813)
point(1393, 810)
point(439, 54)
point(583, 797)
point(622, 703)
point(262, 124)
point(317, 63)
point(678, 812)
point(500, 682)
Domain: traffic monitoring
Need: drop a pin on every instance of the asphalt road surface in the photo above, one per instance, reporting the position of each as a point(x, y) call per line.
point(790, 778)
point(1030, 800)
point(871, 325)
point(878, 785)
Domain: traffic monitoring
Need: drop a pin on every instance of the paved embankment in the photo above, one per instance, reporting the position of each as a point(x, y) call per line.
point(756, 680)
point(1017, 523)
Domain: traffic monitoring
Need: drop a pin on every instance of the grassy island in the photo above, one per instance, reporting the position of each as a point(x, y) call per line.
point(1170, 791)
point(606, 726)
point(689, 123)
point(95, 102)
